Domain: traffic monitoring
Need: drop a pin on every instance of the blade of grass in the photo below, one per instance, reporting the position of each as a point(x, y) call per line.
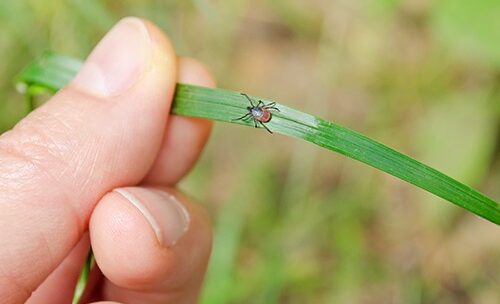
point(54, 71)
point(227, 238)
point(83, 278)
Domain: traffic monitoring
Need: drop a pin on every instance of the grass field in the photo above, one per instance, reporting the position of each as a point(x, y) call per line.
point(293, 223)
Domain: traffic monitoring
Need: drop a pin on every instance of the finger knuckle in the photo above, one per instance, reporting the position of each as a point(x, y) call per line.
point(34, 146)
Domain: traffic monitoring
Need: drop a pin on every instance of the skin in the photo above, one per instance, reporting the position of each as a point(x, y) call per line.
point(58, 169)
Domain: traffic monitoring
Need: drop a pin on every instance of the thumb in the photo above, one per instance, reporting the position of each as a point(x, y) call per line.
point(101, 132)
point(151, 244)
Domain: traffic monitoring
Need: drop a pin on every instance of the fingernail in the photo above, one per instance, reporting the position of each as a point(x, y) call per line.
point(117, 62)
point(166, 215)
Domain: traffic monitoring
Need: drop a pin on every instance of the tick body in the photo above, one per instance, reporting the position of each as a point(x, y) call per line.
point(260, 113)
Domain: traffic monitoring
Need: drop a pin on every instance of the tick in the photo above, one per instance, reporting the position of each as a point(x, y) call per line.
point(260, 113)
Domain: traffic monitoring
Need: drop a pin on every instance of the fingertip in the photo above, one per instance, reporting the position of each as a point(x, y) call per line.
point(185, 138)
point(164, 53)
point(194, 72)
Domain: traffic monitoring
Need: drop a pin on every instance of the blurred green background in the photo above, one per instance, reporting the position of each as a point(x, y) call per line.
point(294, 223)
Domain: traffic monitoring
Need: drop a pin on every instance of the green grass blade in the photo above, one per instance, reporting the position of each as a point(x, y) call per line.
point(55, 71)
point(83, 278)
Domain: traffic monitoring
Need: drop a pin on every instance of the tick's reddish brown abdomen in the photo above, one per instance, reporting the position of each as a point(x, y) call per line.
point(266, 116)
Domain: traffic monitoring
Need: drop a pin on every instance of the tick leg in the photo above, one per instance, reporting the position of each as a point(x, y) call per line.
point(242, 117)
point(273, 108)
point(255, 122)
point(249, 99)
point(265, 127)
point(260, 103)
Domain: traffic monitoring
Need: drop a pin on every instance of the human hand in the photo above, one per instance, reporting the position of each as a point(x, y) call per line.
point(88, 159)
